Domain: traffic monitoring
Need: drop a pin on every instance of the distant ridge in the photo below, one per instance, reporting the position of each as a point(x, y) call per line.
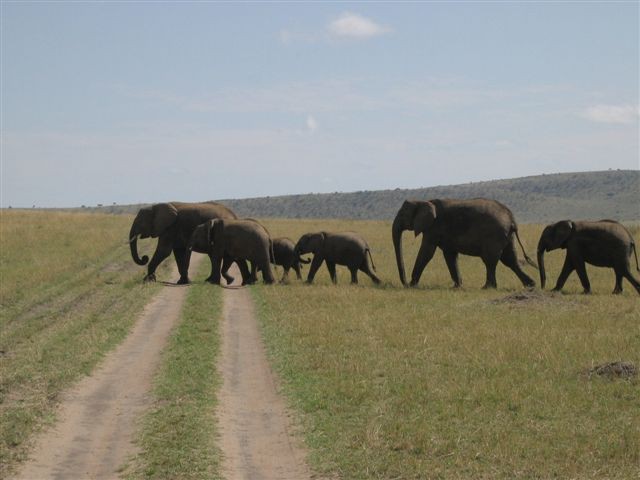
point(611, 194)
point(542, 198)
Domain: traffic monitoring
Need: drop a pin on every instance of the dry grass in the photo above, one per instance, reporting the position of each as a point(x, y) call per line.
point(69, 293)
point(433, 382)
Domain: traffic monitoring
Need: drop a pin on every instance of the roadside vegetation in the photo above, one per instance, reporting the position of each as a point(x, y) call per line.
point(433, 382)
point(178, 437)
point(69, 293)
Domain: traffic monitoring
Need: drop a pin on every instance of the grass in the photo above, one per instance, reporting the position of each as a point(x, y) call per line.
point(433, 382)
point(178, 434)
point(69, 293)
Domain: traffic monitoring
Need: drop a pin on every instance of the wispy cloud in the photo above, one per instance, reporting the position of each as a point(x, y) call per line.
point(352, 25)
point(617, 114)
point(312, 124)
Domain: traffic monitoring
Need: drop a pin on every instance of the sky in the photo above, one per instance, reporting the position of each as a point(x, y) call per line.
point(136, 102)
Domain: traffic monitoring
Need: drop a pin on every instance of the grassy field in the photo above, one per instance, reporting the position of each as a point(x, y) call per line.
point(178, 438)
point(69, 292)
point(433, 382)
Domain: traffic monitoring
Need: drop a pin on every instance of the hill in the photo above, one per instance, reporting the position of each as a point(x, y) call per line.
point(542, 198)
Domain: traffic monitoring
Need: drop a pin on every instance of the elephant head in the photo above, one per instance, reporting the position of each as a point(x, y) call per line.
point(150, 222)
point(553, 237)
point(309, 243)
point(413, 215)
point(200, 239)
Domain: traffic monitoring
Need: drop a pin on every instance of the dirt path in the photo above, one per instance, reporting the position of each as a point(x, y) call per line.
point(98, 417)
point(256, 435)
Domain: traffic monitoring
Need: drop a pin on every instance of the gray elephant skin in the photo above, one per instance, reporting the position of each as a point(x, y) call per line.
point(478, 227)
point(284, 256)
point(172, 223)
point(240, 240)
point(603, 243)
point(341, 248)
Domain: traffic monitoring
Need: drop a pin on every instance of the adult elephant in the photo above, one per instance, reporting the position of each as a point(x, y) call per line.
point(240, 240)
point(604, 243)
point(172, 224)
point(478, 227)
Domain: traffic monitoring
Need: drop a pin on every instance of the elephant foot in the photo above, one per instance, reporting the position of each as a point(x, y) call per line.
point(183, 281)
point(586, 292)
point(489, 286)
point(457, 286)
point(617, 291)
point(229, 279)
point(149, 278)
point(413, 283)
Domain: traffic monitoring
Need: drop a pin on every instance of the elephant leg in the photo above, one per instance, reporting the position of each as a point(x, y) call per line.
point(182, 261)
point(581, 270)
point(247, 279)
point(296, 267)
point(354, 275)
point(510, 259)
point(425, 254)
point(452, 264)
point(632, 280)
point(216, 262)
point(254, 272)
point(331, 266)
point(267, 273)
point(315, 265)
point(619, 275)
point(163, 250)
point(490, 263)
point(567, 269)
point(285, 275)
point(226, 265)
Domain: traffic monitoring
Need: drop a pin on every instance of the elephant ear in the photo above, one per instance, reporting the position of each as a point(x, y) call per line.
point(164, 215)
point(315, 241)
point(424, 217)
point(562, 232)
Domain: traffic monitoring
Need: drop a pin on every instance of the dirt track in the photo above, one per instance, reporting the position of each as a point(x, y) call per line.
point(97, 418)
point(256, 432)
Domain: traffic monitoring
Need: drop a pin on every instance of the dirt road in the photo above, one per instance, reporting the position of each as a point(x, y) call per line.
point(97, 418)
point(256, 437)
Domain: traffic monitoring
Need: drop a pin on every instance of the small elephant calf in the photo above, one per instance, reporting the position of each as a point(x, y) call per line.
point(342, 248)
point(284, 255)
point(604, 243)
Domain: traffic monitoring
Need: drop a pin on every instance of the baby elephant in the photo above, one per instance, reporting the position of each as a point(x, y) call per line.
point(343, 248)
point(604, 243)
point(284, 255)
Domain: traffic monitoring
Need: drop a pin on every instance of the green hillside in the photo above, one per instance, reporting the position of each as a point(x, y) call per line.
point(543, 198)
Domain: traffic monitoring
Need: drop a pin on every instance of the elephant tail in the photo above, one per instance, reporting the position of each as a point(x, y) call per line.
point(526, 257)
point(635, 254)
point(371, 258)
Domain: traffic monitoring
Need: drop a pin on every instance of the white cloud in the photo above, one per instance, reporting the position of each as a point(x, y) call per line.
point(312, 124)
point(355, 26)
point(620, 114)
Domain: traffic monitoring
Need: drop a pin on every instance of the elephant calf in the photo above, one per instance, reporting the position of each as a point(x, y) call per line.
point(343, 248)
point(605, 243)
point(284, 255)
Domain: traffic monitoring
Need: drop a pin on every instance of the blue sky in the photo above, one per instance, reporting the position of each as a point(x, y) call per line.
point(142, 102)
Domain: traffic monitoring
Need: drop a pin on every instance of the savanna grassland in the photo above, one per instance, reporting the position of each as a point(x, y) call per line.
point(432, 382)
point(69, 293)
point(386, 382)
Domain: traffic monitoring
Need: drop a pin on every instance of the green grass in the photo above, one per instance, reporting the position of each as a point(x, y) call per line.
point(178, 434)
point(440, 383)
point(69, 293)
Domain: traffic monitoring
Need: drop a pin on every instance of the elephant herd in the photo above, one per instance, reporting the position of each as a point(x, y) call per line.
point(478, 227)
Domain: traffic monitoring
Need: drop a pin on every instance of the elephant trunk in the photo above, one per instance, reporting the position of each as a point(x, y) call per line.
point(133, 244)
point(543, 275)
point(396, 231)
